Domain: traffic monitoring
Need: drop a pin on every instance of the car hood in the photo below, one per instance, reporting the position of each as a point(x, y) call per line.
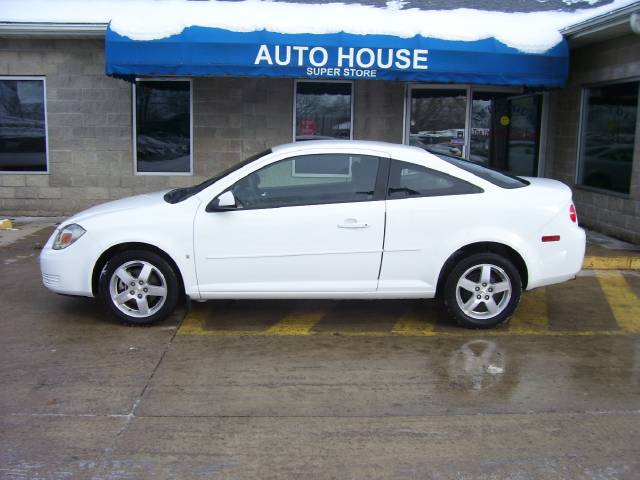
point(147, 200)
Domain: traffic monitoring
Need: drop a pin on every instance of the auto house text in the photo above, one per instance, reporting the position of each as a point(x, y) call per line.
point(346, 62)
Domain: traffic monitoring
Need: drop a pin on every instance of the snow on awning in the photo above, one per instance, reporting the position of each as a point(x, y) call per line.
point(204, 51)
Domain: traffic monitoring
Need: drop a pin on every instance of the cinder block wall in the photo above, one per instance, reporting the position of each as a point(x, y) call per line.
point(616, 59)
point(378, 110)
point(90, 132)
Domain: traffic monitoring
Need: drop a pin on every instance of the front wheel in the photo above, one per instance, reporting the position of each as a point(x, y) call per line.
point(139, 287)
point(482, 290)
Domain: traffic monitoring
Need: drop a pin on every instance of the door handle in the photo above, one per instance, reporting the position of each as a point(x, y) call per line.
point(352, 223)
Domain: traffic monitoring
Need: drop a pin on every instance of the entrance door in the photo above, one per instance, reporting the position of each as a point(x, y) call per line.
point(505, 131)
point(524, 135)
point(503, 127)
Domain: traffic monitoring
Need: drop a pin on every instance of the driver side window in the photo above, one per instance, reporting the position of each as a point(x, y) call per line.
point(309, 180)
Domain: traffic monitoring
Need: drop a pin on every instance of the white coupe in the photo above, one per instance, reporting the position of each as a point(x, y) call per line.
point(325, 219)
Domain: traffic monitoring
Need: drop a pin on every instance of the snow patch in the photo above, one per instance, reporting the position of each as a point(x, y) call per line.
point(534, 32)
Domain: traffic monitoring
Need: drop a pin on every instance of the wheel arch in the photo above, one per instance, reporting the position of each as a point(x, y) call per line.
point(481, 247)
point(99, 265)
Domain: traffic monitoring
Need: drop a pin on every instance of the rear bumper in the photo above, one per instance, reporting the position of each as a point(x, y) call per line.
point(558, 261)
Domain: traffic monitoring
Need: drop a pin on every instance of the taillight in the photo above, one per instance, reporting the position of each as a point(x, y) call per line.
point(572, 214)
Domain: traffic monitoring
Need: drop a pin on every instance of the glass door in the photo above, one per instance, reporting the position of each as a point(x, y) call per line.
point(524, 135)
point(489, 128)
point(503, 127)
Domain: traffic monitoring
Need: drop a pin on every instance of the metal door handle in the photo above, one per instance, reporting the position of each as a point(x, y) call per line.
point(352, 223)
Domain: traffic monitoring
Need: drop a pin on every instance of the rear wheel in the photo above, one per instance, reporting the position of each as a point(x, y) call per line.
point(139, 287)
point(482, 290)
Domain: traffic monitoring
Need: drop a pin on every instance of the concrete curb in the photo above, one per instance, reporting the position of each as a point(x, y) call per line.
point(611, 263)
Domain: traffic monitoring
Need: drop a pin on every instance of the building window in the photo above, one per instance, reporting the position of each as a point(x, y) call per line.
point(23, 126)
point(163, 127)
point(438, 119)
point(609, 115)
point(323, 110)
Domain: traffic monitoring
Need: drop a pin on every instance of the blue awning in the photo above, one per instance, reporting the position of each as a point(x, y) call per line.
point(202, 52)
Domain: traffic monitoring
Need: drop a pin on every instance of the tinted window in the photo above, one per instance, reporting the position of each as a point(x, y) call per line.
point(411, 180)
point(323, 110)
point(608, 136)
point(309, 180)
point(501, 179)
point(23, 137)
point(163, 126)
point(179, 194)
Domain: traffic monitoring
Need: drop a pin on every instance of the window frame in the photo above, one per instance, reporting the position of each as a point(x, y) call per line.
point(379, 191)
point(134, 122)
point(582, 116)
point(480, 190)
point(319, 80)
point(42, 78)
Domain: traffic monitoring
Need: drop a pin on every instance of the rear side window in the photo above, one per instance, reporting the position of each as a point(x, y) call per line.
point(410, 180)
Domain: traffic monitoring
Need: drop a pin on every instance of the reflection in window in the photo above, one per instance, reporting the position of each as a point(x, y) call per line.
point(163, 126)
point(23, 136)
point(505, 131)
point(488, 132)
point(411, 180)
point(323, 110)
point(438, 119)
point(524, 135)
point(608, 136)
point(306, 180)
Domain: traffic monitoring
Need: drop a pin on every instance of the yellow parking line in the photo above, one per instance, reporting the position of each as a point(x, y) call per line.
point(624, 303)
point(193, 323)
point(414, 324)
point(629, 262)
point(296, 323)
point(531, 316)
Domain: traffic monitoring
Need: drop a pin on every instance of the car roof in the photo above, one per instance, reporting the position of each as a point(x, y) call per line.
point(390, 148)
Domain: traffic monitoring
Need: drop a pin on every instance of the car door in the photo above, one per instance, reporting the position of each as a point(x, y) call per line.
point(426, 210)
point(307, 223)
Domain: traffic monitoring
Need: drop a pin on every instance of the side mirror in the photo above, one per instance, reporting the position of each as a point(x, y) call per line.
point(223, 203)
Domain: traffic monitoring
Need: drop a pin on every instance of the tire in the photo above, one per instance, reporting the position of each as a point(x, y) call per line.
point(135, 304)
point(465, 283)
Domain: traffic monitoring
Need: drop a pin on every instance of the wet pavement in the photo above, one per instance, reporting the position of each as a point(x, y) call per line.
point(319, 389)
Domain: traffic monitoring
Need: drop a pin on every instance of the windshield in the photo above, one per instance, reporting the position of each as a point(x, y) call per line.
point(497, 177)
point(180, 194)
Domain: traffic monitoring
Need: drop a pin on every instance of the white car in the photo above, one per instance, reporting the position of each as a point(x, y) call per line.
point(325, 219)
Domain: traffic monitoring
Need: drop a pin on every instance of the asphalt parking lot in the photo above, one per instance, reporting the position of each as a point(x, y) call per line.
point(319, 389)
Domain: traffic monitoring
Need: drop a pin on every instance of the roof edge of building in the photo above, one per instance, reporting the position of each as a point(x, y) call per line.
point(52, 29)
point(601, 27)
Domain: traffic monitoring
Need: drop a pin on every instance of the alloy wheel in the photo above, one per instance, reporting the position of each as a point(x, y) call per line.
point(138, 288)
point(483, 291)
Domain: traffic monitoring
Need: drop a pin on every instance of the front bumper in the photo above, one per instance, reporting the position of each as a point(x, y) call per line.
point(65, 271)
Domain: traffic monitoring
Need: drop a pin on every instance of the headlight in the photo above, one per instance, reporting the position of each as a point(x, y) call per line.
point(67, 236)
